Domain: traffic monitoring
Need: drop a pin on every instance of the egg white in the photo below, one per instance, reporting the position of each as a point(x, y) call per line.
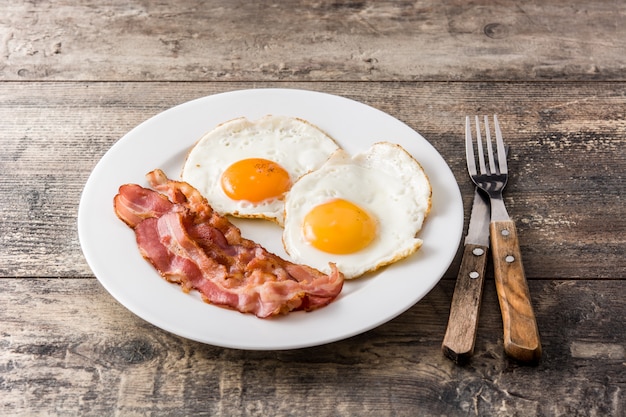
point(295, 144)
point(387, 182)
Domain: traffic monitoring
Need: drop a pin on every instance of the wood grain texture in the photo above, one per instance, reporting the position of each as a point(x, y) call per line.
point(567, 209)
point(460, 336)
point(313, 40)
point(88, 355)
point(521, 335)
point(76, 76)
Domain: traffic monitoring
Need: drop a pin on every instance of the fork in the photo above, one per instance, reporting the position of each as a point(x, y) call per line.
point(521, 335)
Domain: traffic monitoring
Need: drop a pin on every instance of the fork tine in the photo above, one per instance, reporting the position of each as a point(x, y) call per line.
point(492, 164)
point(479, 145)
point(469, 147)
point(500, 146)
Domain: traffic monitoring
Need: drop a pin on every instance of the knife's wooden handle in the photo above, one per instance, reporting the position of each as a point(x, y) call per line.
point(458, 342)
point(521, 335)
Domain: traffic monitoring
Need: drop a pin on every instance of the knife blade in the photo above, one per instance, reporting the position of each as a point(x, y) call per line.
point(458, 342)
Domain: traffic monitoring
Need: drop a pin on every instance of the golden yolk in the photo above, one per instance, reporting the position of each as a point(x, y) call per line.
point(339, 227)
point(255, 180)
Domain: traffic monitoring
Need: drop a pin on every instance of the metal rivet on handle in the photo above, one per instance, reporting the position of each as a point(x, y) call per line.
point(510, 258)
point(505, 232)
point(478, 251)
point(474, 275)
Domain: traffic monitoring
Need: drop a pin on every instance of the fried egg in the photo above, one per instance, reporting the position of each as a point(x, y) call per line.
point(360, 212)
point(245, 168)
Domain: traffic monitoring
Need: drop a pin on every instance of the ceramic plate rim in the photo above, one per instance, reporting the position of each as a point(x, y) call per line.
point(163, 140)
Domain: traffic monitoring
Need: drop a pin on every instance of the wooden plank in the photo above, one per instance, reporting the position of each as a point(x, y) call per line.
point(313, 40)
point(76, 76)
point(84, 354)
point(568, 209)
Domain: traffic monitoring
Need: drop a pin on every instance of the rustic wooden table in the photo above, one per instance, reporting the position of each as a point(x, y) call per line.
point(75, 76)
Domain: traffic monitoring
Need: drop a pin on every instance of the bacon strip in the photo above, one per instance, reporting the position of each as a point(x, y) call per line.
point(135, 203)
point(192, 245)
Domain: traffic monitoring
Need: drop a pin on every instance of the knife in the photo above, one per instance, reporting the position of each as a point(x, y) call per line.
point(458, 342)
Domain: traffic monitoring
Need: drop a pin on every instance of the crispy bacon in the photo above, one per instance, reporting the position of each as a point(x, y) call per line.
point(192, 245)
point(135, 203)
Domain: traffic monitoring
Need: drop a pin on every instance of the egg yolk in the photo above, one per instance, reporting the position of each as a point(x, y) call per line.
point(339, 227)
point(255, 180)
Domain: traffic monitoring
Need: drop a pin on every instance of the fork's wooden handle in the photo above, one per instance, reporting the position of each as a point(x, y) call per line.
point(458, 342)
point(521, 335)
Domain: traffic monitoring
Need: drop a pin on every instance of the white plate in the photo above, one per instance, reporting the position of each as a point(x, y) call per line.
point(163, 142)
